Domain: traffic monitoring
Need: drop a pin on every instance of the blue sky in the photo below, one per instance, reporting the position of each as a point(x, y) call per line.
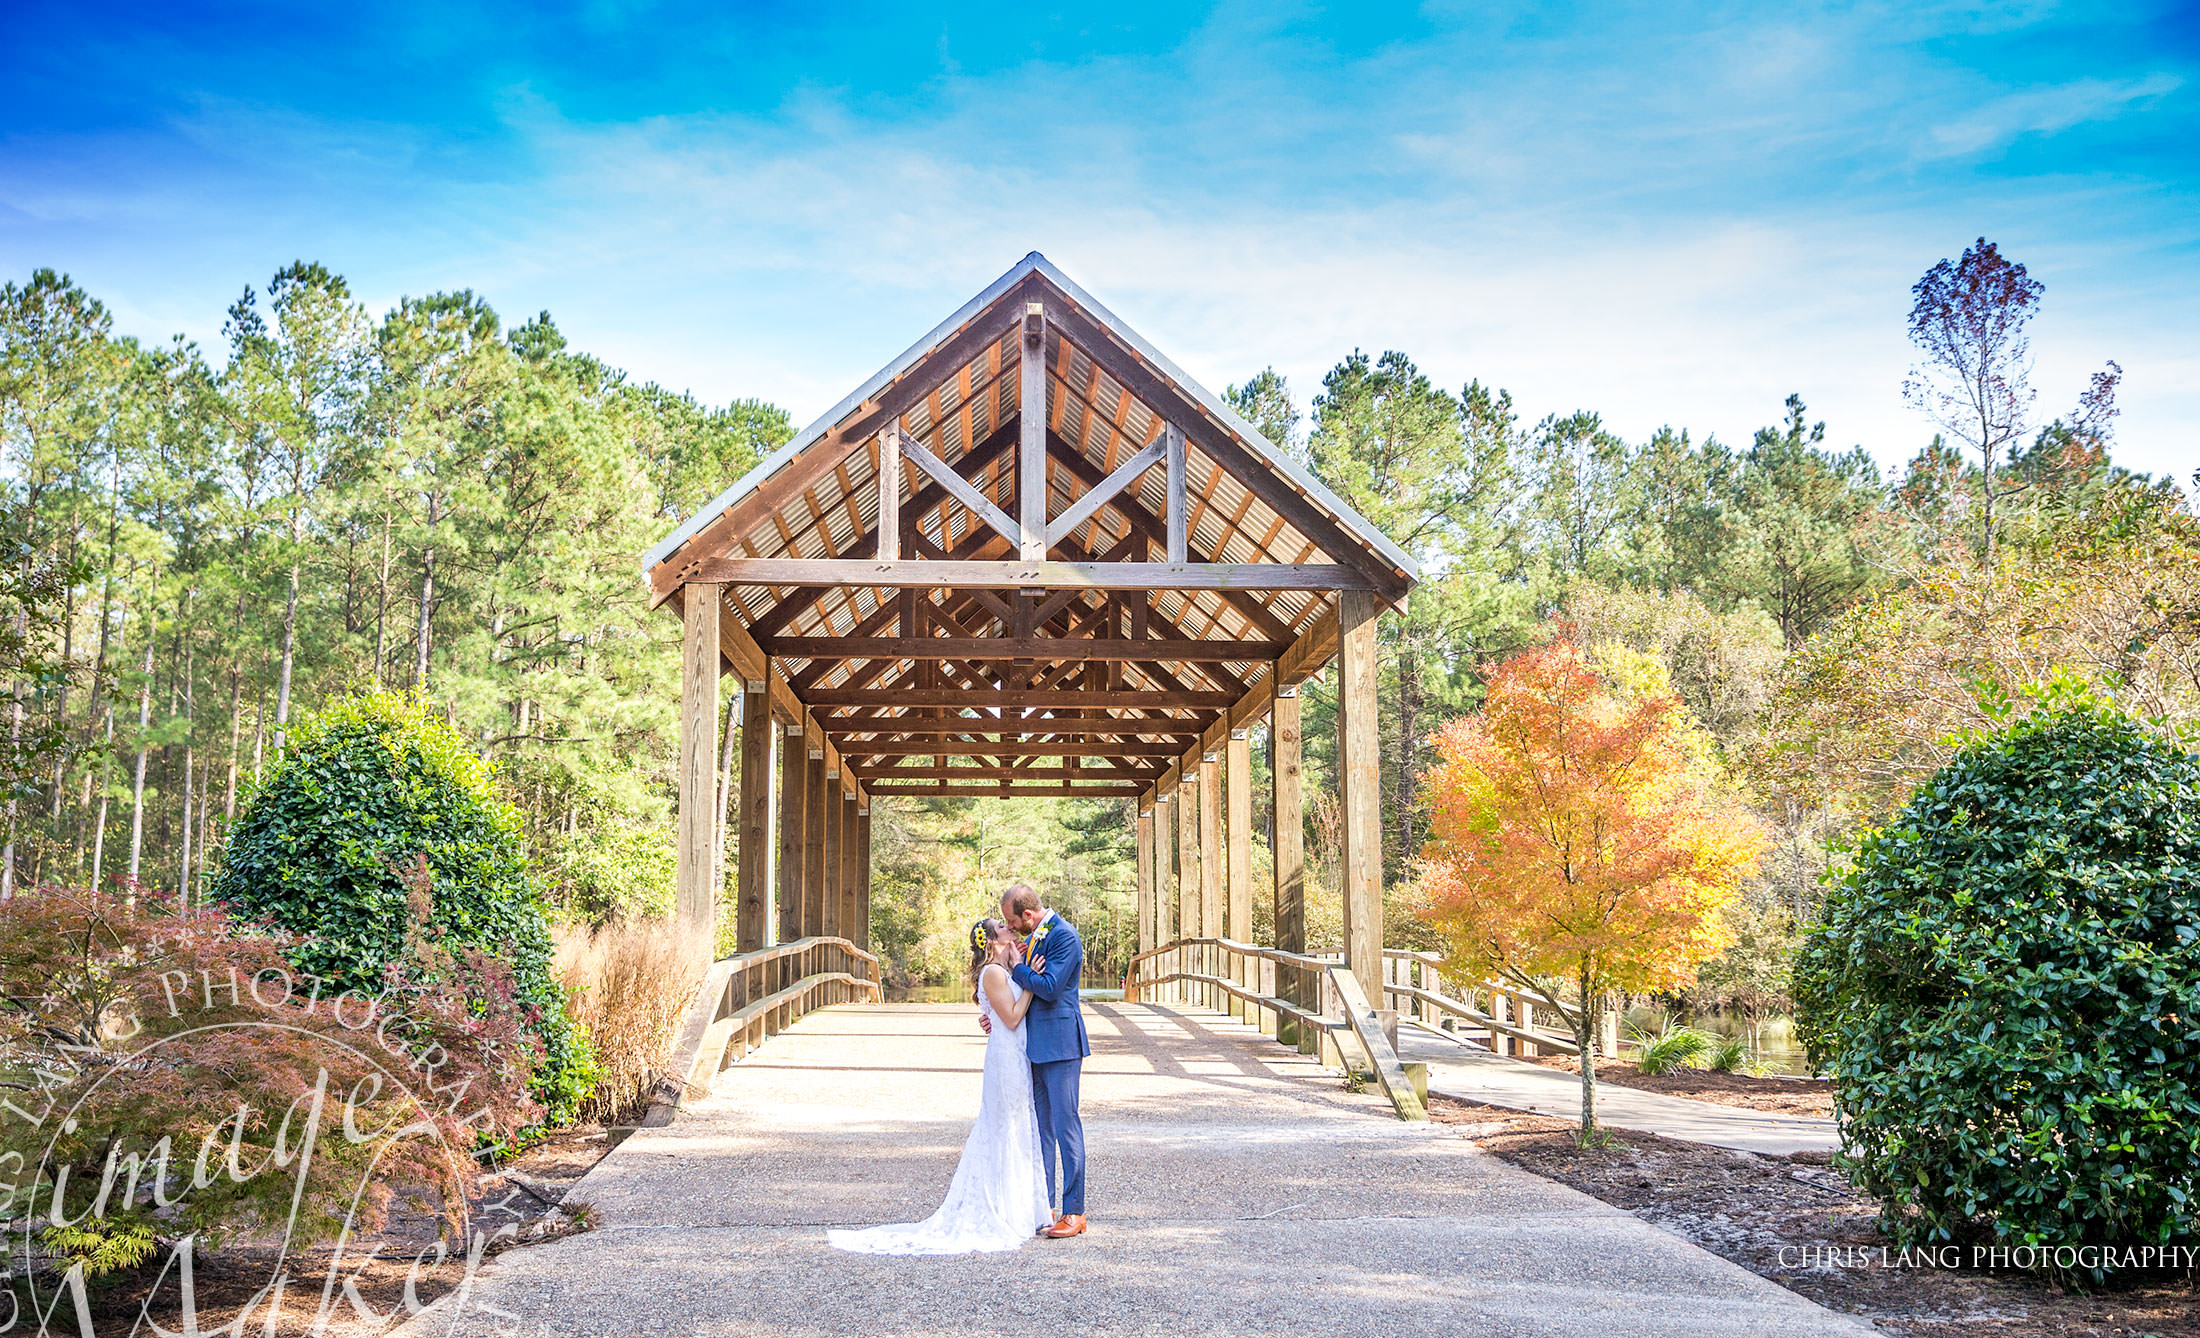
point(1673, 213)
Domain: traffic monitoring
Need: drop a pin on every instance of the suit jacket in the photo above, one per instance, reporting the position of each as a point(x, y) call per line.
point(1054, 1025)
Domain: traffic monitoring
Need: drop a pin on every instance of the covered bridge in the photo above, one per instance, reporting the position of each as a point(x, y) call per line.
point(932, 591)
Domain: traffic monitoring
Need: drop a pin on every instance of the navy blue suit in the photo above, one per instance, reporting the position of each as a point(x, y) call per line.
point(1056, 1045)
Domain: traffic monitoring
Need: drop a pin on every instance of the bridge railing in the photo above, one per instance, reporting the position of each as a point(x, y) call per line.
point(748, 997)
point(1311, 1003)
point(1417, 984)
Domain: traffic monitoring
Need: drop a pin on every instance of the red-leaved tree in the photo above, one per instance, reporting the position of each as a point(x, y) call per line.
point(1580, 842)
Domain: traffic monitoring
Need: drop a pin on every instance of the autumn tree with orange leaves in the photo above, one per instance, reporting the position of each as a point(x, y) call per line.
point(1581, 842)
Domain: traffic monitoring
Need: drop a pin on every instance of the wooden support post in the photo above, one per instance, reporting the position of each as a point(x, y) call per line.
point(813, 837)
point(1238, 836)
point(889, 494)
point(1031, 445)
point(1164, 875)
point(1210, 872)
point(828, 923)
point(1146, 940)
point(1289, 849)
point(1359, 774)
point(850, 896)
point(696, 898)
point(794, 794)
point(1178, 542)
point(1189, 925)
point(863, 875)
point(752, 881)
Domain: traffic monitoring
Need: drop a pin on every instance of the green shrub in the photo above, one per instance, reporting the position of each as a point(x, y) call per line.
point(365, 789)
point(1728, 1054)
point(1673, 1048)
point(2006, 991)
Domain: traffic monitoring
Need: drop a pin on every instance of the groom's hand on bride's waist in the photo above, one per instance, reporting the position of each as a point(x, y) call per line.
point(985, 1024)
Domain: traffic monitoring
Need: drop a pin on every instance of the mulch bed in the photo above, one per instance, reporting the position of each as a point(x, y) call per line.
point(1782, 1096)
point(527, 1195)
point(1746, 1208)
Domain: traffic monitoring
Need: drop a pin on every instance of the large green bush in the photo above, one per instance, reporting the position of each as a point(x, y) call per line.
point(363, 790)
point(2006, 992)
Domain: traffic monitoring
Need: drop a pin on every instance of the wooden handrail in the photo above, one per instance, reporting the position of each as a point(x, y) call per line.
point(1359, 1026)
point(1483, 1021)
point(734, 1011)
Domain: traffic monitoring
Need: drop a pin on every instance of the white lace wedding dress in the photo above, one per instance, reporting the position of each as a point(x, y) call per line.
point(998, 1199)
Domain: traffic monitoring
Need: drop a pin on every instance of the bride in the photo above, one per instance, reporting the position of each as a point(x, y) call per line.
point(998, 1199)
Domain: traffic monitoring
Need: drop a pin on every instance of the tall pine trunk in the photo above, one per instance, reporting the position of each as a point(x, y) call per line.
point(290, 650)
point(421, 644)
point(145, 726)
point(183, 872)
point(382, 602)
point(99, 832)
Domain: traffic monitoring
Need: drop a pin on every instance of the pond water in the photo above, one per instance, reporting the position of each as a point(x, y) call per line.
point(1774, 1044)
point(961, 994)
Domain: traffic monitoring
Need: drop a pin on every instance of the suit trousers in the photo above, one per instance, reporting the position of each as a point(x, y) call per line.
point(1061, 1130)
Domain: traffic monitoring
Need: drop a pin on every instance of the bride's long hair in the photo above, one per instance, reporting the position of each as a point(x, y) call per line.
point(981, 949)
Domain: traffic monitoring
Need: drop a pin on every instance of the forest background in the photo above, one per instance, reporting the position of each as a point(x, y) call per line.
point(199, 548)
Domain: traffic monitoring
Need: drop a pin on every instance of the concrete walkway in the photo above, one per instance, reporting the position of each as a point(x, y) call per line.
point(1235, 1189)
point(1471, 1073)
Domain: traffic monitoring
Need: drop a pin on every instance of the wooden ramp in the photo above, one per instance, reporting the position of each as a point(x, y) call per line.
point(1235, 1188)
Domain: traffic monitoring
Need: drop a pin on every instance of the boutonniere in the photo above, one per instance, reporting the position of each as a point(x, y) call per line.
point(1031, 945)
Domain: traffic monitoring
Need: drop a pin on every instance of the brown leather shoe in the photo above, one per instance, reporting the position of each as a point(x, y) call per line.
point(1071, 1225)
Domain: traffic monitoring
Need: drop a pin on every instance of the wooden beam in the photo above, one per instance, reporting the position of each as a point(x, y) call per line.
point(1155, 530)
point(696, 899)
point(1359, 773)
point(753, 665)
point(1054, 726)
point(857, 750)
point(1130, 371)
point(1173, 511)
point(955, 486)
point(1177, 649)
point(979, 771)
point(1008, 790)
point(1015, 700)
point(921, 502)
point(1032, 575)
point(822, 456)
point(889, 494)
point(1031, 450)
point(1103, 492)
point(794, 794)
point(1287, 846)
point(752, 880)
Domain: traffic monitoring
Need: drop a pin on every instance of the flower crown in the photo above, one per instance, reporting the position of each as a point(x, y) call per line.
point(978, 937)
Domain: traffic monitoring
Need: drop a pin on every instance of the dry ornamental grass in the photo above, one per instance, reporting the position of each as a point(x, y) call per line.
point(630, 981)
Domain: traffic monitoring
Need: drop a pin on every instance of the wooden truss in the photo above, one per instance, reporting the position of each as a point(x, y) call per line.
point(1030, 558)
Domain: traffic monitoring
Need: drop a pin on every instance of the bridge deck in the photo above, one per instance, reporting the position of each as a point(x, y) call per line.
point(1234, 1188)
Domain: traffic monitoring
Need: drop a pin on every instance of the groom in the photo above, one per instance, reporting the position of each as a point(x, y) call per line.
point(1055, 1043)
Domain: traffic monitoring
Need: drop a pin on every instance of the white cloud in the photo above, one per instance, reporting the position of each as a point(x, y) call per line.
point(2044, 111)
